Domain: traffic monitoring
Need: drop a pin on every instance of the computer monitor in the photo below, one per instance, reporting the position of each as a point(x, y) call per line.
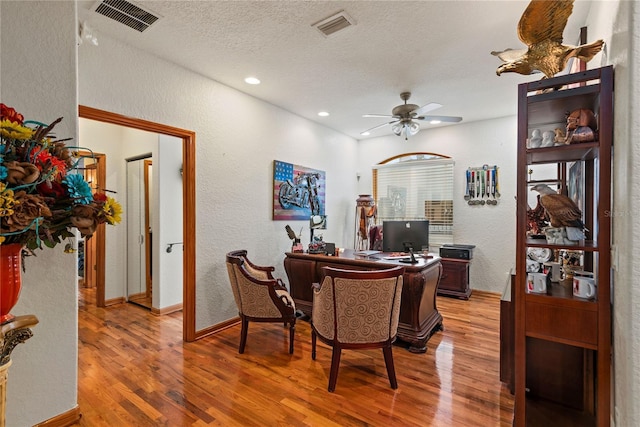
point(405, 236)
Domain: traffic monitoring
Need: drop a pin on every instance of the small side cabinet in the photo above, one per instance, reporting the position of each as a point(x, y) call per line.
point(455, 278)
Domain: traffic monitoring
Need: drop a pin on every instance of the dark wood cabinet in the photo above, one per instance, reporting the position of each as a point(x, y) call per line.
point(455, 278)
point(562, 344)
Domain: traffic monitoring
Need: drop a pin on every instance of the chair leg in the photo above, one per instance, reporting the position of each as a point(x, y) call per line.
point(391, 370)
point(335, 363)
point(292, 332)
point(313, 344)
point(243, 334)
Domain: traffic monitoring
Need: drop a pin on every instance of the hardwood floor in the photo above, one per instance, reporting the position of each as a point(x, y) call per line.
point(134, 370)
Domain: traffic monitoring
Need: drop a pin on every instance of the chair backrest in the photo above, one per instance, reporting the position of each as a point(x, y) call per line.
point(358, 306)
point(233, 258)
point(255, 296)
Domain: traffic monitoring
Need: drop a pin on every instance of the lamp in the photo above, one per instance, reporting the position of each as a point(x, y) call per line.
point(407, 128)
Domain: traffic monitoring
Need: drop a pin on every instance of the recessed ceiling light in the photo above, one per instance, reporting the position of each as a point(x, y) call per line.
point(323, 114)
point(365, 133)
point(435, 122)
point(252, 80)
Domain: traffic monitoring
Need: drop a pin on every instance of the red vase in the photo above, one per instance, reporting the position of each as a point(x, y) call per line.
point(10, 279)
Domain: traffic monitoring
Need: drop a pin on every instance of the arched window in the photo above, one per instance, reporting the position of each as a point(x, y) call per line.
point(417, 186)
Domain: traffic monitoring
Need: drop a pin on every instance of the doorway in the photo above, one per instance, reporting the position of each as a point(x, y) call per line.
point(188, 187)
point(139, 288)
point(91, 250)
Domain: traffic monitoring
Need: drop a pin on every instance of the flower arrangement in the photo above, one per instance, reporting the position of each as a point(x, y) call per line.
point(42, 195)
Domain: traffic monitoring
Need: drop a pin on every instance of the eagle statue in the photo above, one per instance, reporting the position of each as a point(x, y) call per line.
point(540, 28)
point(561, 210)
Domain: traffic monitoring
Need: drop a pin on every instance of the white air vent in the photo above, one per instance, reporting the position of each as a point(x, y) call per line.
point(126, 13)
point(334, 23)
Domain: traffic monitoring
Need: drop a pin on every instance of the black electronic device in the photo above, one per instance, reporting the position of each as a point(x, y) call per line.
point(457, 251)
point(405, 236)
point(330, 249)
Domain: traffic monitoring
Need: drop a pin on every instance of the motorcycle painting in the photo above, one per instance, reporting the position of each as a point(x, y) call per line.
point(298, 191)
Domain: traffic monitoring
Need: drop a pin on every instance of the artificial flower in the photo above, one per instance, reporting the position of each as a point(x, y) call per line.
point(27, 210)
point(19, 173)
point(7, 201)
point(49, 164)
point(113, 211)
point(41, 201)
point(8, 113)
point(78, 188)
point(14, 130)
point(84, 218)
point(51, 189)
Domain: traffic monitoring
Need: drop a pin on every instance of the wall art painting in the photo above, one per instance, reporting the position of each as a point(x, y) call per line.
point(298, 191)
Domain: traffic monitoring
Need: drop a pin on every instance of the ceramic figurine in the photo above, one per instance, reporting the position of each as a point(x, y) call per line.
point(559, 138)
point(547, 138)
point(536, 139)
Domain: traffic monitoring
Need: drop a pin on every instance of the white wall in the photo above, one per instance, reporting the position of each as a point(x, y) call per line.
point(38, 78)
point(167, 223)
point(490, 228)
point(237, 139)
point(617, 23)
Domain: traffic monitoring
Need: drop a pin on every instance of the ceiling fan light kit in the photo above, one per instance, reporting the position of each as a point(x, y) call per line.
point(404, 117)
point(405, 129)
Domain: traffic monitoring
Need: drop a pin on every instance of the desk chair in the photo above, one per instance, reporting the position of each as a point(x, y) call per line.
point(259, 296)
point(357, 310)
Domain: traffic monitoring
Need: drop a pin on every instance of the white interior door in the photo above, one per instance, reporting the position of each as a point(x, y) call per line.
point(136, 274)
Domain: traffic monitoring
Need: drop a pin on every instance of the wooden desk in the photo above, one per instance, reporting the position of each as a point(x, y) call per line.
point(419, 317)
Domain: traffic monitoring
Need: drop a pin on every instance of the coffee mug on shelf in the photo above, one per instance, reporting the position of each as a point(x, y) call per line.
point(554, 270)
point(584, 287)
point(537, 283)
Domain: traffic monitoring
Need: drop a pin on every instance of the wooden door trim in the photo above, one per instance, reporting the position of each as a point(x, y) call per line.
point(100, 233)
point(147, 239)
point(189, 203)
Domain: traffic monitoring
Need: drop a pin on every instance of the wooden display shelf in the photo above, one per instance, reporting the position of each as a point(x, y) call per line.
point(585, 245)
point(563, 153)
point(543, 413)
point(553, 328)
point(561, 294)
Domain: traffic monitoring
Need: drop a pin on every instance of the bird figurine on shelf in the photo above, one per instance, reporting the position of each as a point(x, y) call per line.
point(540, 28)
point(536, 219)
point(562, 211)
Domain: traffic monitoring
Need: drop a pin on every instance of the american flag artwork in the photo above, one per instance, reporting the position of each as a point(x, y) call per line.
point(298, 191)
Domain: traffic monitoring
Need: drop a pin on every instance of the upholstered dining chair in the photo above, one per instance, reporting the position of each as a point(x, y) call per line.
point(259, 296)
point(357, 310)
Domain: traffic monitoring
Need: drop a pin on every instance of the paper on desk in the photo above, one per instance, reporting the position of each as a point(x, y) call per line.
point(367, 253)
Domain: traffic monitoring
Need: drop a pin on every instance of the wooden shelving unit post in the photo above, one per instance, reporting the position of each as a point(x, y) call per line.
point(563, 343)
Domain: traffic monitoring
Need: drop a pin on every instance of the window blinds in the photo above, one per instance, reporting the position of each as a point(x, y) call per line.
point(417, 189)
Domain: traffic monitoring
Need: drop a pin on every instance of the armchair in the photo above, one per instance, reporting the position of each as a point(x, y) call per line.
point(259, 296)
point(357, 310)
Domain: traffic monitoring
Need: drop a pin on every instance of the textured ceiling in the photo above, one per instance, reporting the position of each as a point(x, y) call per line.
point(438, 50)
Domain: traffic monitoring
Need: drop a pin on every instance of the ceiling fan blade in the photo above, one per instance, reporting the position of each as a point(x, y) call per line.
point(377, 115)
point(426, 108)
point(447, 119)
point(379, 126)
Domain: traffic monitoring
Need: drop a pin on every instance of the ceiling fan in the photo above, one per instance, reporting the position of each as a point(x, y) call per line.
point(405, 117)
